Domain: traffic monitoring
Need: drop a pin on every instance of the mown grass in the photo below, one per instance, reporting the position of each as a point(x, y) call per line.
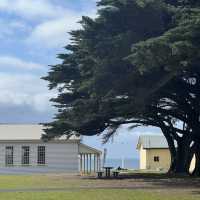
point(35, 181)
point(66, 181)
point(64, 187)
point(98, 195)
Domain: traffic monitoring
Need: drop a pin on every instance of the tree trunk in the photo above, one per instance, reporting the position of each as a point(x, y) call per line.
point(172, 148)
point(184, 156)
point(180, 155)
point(173, 163)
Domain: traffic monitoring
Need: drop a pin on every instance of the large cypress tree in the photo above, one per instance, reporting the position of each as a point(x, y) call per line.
point(176, 55)
point(94, 69)
point(132, 64)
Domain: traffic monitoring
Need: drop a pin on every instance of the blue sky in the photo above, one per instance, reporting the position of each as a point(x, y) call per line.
point(32, 33)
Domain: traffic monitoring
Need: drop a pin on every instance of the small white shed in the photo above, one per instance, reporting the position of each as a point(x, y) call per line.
point(23, 151)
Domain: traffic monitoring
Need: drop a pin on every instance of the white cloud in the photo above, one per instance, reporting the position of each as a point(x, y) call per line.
point(48, 22)
point(31, 8)
point(25, 90)
point(10, 28)
point(16, 63)
point(43, 25)
point(53, 33)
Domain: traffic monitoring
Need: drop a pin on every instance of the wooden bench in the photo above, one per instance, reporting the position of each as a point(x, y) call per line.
point(115, 173)
point(99, 174)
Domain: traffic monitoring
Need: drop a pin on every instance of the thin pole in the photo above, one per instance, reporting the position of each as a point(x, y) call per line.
point(81, 163)
point(90, 163)
point(94, 163)
point(97, 162)
point(87, 164)
point(84, 162)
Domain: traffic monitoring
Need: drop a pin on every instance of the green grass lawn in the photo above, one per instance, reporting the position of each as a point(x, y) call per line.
point(35, 181)
point(97, 195)
point(64, 187)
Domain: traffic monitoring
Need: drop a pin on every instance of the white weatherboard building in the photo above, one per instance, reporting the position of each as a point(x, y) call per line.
point(23, 151)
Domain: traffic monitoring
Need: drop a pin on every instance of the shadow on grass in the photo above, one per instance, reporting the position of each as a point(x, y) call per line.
point(158, 181)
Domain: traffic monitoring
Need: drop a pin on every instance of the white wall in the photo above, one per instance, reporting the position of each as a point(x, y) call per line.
point(63, 156)
point(60, 157)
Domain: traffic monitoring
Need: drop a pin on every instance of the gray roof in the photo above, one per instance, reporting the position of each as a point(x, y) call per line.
point(85, 149)
point(152, 142)
point(24, 132)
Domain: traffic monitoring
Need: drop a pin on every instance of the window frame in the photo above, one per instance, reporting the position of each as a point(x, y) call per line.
point(156, 158)
point(25, 157)
point(41, 155)
point(9, 157)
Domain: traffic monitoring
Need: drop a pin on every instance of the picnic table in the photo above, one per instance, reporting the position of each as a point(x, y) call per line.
point(107, 169)
point(99, 174)
point(116, 173)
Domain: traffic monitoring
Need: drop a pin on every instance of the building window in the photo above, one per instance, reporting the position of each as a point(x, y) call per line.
point(25, 155)
point(9, 156)
point(41, 160)
point(156, 159)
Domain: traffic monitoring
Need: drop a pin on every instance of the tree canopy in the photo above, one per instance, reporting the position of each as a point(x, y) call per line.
point(137, 62)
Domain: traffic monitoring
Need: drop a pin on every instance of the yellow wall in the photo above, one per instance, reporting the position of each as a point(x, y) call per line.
point(143, 158)
point(147, 159)
point(164, 159)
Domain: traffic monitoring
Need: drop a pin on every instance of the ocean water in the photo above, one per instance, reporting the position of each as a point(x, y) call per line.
point(127, 163)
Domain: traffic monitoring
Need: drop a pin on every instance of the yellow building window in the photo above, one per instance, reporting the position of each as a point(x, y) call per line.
point(156, 158)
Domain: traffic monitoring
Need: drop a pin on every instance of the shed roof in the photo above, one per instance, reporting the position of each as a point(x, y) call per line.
point(85, 149)
point(23, 132)
point(152, 142)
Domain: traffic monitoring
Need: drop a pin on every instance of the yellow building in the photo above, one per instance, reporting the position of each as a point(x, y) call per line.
point(154, 153)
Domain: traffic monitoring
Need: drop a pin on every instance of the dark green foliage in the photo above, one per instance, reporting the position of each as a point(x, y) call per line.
point(95, 72)
point(137, 62)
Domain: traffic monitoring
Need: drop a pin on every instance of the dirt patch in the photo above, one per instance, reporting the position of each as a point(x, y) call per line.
point(145, 181)
point(127, 181)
